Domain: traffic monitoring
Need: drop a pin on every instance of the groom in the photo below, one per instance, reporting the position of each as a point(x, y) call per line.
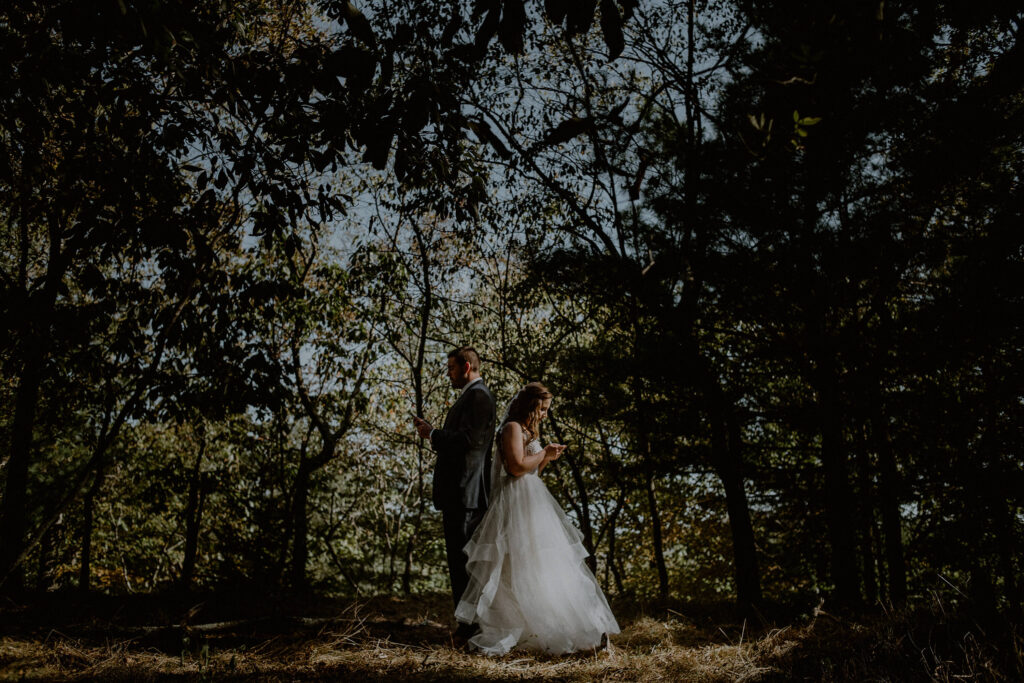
point(461, 473)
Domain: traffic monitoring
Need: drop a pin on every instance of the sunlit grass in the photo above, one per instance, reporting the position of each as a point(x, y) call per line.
point(391, 639)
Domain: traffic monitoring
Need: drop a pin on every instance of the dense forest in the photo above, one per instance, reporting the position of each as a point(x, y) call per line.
point(768, 256)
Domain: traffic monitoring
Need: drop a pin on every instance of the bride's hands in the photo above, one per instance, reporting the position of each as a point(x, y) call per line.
point(553, 451)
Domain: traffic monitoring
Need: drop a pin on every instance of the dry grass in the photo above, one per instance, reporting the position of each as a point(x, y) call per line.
point(389, 639)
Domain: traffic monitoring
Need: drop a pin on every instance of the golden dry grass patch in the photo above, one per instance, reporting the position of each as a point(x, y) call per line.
point(410, 640)
point(23, 660)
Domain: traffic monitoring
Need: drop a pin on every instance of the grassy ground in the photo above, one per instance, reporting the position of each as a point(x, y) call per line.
point(260, 638)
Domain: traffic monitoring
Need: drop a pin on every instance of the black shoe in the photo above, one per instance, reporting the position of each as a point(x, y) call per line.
point(466, 631)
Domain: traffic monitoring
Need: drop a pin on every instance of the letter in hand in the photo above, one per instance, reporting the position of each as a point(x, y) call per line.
point(423, 427)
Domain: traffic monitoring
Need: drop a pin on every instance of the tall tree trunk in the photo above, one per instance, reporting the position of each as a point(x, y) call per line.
point(727, 454)
point(33, 345)
point(646, 457)
point(13, 518)
point(407, 568)
point(656, 534)
point(1006, 544)
point(866, 520)
point(13, 521)
point(193, 514)
point(300, 514)
point(44, 567)
point(612, 557)
point(88, 509)
point(643, 440)
point(281, 566)
point(892, 523)
point(417, 383)
point(838, 500)
point(300, 529)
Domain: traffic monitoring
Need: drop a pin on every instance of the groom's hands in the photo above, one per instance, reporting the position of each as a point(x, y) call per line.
point(423, 427)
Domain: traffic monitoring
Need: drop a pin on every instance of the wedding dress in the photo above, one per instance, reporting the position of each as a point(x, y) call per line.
point(528, 584)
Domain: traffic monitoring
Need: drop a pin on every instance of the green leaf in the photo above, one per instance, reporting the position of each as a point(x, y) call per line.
point(491, 22)
point(567, 130)
point(486, 134)
point(358, 24)
point(611, 27)
point(556, 10)
point(512, 27)
point(581, 16)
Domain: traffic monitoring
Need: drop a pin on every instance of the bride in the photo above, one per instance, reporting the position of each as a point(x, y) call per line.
point(528, 585)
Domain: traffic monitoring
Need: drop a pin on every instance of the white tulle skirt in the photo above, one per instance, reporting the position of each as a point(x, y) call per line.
point(528, 584)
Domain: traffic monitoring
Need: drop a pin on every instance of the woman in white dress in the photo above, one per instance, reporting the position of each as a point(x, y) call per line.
point(528, 584)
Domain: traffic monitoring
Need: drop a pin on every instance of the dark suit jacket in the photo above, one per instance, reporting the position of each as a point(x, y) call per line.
point(463, 446)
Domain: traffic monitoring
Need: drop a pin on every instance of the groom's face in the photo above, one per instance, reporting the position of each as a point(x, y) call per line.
point(457, 373)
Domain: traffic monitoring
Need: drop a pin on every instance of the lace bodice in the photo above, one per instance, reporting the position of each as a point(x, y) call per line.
point(533, 447)
point(500, 474)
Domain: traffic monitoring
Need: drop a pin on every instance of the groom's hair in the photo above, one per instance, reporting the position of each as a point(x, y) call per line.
point(466, 354)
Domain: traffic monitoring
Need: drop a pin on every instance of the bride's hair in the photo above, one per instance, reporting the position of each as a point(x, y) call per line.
point(525, 407)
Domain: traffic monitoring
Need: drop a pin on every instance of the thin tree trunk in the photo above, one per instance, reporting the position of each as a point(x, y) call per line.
point(612, 557)
point(646, 457)
point(329, 442)
point(193, 514)
point(300, 529)
point(417, 383)
point(88, 508)
point(392, 554)
point(656, 535)
point(892, 524)
point(878, 549)
point(729, 468)
point(644, 447)
point(13, 516)
point(13, 521)
point(407, 569)
point(44, 568)
point(89, 504)
point(838, 503)
point(1007, 542)
point(300, 513)
point(691, 168)
point(281, 568)
point(867, 521)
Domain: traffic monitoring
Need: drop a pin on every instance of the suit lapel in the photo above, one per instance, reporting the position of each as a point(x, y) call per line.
point(454, 411)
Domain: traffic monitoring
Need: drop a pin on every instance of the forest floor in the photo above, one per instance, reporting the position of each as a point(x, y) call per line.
point(264, 638)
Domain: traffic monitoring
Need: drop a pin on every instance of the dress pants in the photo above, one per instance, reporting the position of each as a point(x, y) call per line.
point(459, 525)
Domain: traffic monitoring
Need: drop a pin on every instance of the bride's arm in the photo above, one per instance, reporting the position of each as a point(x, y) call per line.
point(517, 462)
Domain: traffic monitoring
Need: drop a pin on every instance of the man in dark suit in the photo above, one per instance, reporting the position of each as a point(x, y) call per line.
point(462, 470)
